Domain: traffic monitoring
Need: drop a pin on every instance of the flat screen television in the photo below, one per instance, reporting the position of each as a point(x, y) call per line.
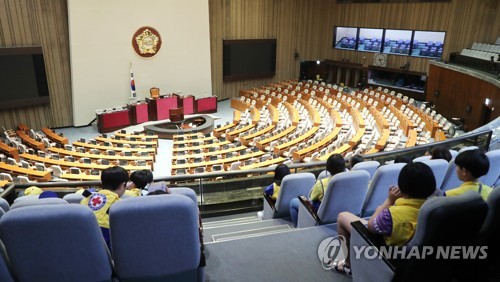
point(370, 39)
point(23, 80)
point(249, 59)
point(345, 37)
point(428, 44)
point(397, 41)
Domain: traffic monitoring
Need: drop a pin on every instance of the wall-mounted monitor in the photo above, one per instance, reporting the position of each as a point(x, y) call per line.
point(345, 37)
point(428, 44)
point(397, 41)
point(249, 59)
point(23, 80)
point(370, 39)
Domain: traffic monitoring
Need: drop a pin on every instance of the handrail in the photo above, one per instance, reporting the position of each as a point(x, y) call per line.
point(240, 175)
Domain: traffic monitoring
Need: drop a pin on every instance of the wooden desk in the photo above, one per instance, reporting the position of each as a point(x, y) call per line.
point(3, 183)
point(139, 136)
point(262, 143)
point(313, 113)
point(412, 138)
point(245, 140)
point(267, 163)
point(404, 122)
point(64, 164)
point(201, 147)
point(10, 151)
point(35, 174)
point(382, 141)
point(219, 161)
point(189, 141)
point(439, 136)
point(221, 130)
point(280, 149)
point(207, 154)
point(116, 141)
point(80, 177)
point(301, 154)
point(54, 137)
point(149, 159)
point(340, 150)
point(30, 141)
point(151, 151)
point(187, 136)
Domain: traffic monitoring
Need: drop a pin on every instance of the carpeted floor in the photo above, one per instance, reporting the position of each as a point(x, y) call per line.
point(288, 256)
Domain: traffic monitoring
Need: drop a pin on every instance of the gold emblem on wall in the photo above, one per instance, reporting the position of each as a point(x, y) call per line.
point(146, 41)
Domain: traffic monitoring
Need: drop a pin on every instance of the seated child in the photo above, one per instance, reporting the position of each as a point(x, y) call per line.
point(280, 172)
point(142, 184)
point(114, 180)
point(441, 152)
point(396, 218)
point(335, 164)
point(471, 165)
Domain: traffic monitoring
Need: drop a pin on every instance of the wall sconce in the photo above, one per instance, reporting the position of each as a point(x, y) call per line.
point(318, 62)
point(487, 102)
point(468, 108)
point(436, 93)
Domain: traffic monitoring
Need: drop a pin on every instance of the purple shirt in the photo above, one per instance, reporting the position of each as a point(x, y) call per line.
point(383, 223)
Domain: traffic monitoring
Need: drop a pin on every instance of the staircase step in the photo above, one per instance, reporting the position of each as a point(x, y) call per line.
point(230, 222)
point(248, 233)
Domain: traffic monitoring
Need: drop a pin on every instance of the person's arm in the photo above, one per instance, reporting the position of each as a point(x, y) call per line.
point(316, 191)
point(394, 194)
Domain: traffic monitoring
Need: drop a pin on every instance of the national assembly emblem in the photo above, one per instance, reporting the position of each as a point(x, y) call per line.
point(146, 42)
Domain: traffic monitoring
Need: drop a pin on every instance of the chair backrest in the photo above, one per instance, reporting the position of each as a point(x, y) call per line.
point(450, 180)
point(439, 168)
point(323, 174)
point(368, 166)
point(5, 270)
point(68, 231)
point(384, 177)
point(422, 158)
point(292, 186)
point(173, 243)
point(440, 223)
point(346, 192)
point(186, 192)
point(4, 205)
point(490, 231)
point(33, 200)
point(440, 220)
point(467, 148)
point(73, 198)
point(492, 176)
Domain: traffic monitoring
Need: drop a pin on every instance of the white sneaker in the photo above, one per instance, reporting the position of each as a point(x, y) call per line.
point(260, 214)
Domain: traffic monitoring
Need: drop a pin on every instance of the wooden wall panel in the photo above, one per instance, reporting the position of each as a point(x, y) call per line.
point(457, 91)
point(307, 26)
point(40, 23)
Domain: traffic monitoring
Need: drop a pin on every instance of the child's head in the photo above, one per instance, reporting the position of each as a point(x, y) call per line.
point(280, 171)
point(356, 159)
point(471, 164)
point(139, 178)
point(440, 152)
point(335, 164)
point(402, 159)
point(416, 180)
point(115, 179)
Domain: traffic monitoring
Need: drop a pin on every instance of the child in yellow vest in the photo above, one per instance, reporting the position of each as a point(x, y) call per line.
point(471, 165)
point(396, 218)
point(114, 181)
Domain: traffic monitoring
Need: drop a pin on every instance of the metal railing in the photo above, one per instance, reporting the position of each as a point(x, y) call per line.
point(235, 190)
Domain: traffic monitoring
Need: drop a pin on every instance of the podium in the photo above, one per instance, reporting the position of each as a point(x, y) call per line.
point(188, 103)
point(113, 120)
point(138, 113)
point(206, 105)
point(176, 114)
point(158, 109)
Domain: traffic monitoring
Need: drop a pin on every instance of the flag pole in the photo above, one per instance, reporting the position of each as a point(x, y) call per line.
point(133, 95)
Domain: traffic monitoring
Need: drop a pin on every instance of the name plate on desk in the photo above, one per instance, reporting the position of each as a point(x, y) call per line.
point(158, 109)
